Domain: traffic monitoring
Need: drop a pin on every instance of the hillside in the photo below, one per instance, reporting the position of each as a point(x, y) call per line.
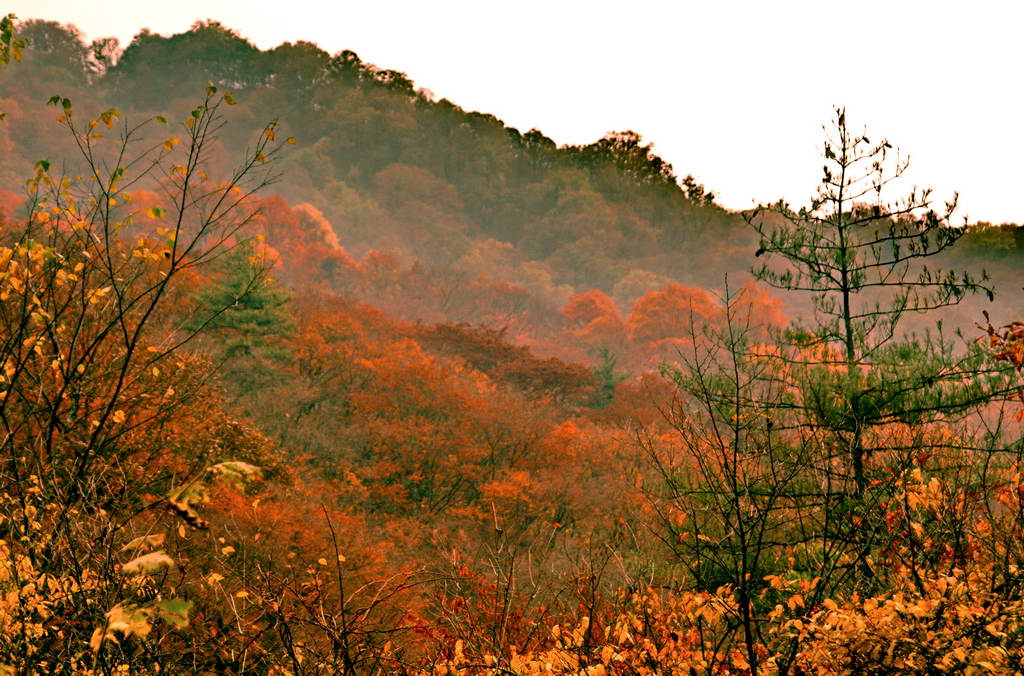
point(304, 371)
point(392, 168)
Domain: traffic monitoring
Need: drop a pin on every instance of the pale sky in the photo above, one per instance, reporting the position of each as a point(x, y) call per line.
point(732, 92)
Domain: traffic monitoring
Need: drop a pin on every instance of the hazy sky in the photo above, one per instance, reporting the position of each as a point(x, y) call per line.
point(732, 92)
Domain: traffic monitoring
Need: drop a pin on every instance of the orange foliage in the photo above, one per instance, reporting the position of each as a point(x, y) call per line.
point(596, 320)
point(9, 205)
point(675, 312)
point(757, 307)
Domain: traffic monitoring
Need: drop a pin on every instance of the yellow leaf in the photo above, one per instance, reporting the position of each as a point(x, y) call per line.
point(148, 563)
point(796, 601)
point(144, 542)
point(242, 594)
point(97, 638)
point(227, 551)
point(119, 416)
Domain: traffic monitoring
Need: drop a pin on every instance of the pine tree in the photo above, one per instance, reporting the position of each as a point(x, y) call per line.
point(864, 263)
point(243, 304)
point(607, 378)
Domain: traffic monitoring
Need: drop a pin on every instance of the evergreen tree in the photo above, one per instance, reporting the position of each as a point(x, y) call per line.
point(607, 378)
point(864, 263)
point(244, 305)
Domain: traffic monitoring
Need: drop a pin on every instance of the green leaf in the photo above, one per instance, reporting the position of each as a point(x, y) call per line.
point(174, 612)
point(197, 492)
point(235, 471)
point(10, 46)
point(108, 116)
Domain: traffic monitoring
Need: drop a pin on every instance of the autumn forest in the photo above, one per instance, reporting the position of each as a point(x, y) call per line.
point(304, 370)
